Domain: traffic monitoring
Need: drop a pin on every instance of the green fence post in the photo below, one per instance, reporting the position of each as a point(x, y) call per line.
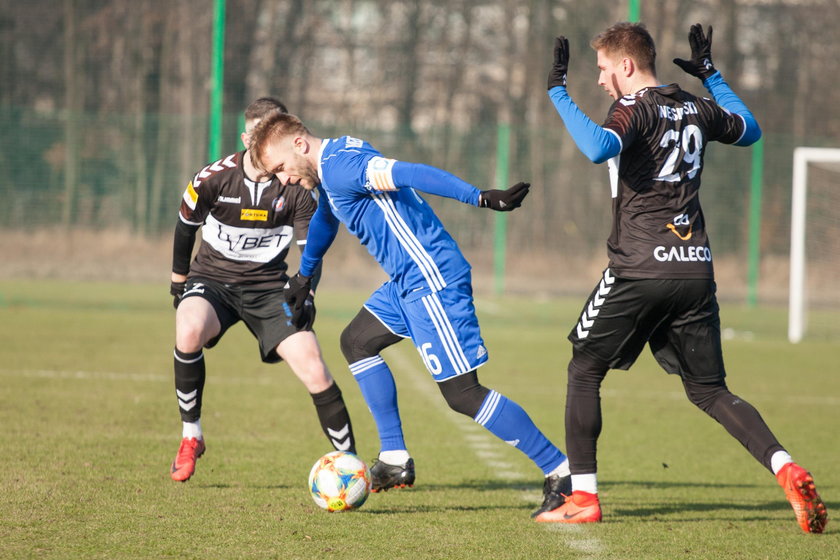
point(754, 243)
point(633, 10)
point(217, 80)
point(500, 231)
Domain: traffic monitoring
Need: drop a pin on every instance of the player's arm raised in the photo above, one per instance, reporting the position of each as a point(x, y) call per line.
point(596, 142)
point(700, 65)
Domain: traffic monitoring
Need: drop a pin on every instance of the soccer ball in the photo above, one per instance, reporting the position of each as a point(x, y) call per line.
point(339, 481)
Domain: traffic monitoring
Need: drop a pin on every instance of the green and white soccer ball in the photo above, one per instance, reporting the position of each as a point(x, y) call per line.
point(339, 481)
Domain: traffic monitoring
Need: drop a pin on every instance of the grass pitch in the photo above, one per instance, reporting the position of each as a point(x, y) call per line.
point(89, 425)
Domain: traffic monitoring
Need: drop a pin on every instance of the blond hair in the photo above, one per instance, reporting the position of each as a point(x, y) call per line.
point(274, 126)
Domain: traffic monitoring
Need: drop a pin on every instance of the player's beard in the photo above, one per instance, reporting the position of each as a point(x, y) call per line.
point(308, 173)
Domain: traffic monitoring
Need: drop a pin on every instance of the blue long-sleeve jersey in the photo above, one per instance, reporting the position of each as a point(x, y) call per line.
point(376, 198)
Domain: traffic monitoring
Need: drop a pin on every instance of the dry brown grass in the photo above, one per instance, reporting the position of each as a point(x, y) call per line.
point(120, 256)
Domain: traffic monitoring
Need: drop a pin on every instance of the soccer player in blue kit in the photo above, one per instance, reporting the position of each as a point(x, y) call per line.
point(428, 297)
point(659, 286)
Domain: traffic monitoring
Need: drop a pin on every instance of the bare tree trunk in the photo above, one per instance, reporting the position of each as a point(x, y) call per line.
point(411, 68)
point(667, 26)
point(8, 70)
point(454, 83)
point(536, 65)
point(304, 64)
point(263, 54)
point(163, 144)
point(189, 77)
point(72, 113)
point(139, 49)
point(732, 59)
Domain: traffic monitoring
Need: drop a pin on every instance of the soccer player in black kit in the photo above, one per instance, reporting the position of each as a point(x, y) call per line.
point(658, 288)
point(248, 220)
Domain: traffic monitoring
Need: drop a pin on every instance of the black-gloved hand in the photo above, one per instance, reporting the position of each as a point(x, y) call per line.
point(176, 289)
point(296, 292)
point(557, 75)
point(700, 64)
point(504, 200)
point(308, 316)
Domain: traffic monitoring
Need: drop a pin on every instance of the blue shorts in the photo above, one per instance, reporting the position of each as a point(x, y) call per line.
point(442, 325)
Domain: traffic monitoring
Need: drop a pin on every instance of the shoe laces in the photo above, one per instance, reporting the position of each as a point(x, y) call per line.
point(187, 450)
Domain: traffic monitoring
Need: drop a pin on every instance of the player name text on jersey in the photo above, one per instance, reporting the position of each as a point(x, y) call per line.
point(676, 113)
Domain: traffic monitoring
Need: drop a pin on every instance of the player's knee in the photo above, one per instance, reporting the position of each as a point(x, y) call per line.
point(357, 345)
point(193, 328)
point(586, 372)
point(352, 346)
point(365, 337)
point(464, 393)
point(705, 395)
point(189, 336)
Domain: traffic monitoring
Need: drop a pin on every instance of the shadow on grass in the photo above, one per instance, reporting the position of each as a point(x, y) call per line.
point(714, 504)
point(655, 484)
point(653, 513)
point(537, 484)
point(392, 509)
point(658, 508)
point(227, 486)
point(655, 510)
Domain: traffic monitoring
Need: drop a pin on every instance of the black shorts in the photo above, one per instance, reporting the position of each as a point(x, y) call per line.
point(679, 318)
point(262, 308)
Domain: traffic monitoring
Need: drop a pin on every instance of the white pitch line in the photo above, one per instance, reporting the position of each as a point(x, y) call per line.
point(126, 376)
point(478, 438)
point(268, 379)
point(579, 541)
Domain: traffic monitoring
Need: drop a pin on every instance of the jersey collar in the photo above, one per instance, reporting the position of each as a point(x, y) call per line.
point(321, 158)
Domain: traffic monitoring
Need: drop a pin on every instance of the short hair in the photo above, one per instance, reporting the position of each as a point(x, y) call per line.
point(274, 126)
point(263, 106)
point(628, 39)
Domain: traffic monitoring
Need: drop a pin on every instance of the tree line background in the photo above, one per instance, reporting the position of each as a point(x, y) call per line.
point(104, 107)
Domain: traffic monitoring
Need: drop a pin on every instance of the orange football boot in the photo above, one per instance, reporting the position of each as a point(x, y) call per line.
point(800, 491)
point(580, 507)
point(183, 466)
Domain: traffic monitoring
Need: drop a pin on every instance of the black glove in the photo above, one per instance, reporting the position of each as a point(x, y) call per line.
point(504, 200)
point(700, 64)
point(557, 76)
point(308, 315)
point(176, 289)
point(296, 292)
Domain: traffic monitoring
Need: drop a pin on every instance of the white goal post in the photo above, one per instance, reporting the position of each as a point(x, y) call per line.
point(802, 157)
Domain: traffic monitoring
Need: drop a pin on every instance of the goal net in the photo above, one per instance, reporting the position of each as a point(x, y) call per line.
point(815, 245)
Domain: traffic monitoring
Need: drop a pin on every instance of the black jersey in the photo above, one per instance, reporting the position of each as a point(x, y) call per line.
point(658, 227)
point(247, 226)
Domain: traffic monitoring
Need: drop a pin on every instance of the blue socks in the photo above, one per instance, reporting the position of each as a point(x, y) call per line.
point(501, 416)
point(509, 422)
point(377, 385)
